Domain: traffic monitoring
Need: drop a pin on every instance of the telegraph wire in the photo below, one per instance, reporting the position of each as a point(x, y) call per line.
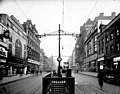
point(20, 9)
point(63, 15)
point(92, 9)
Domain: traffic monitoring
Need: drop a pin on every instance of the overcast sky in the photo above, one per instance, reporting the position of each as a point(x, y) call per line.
point(47, 14)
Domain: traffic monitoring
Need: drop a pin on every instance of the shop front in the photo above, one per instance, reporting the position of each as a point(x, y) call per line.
point(101, 63)
point(3, 61)
point(116, 63)
point(90, 63)
point(16, 65)
point(33, 66)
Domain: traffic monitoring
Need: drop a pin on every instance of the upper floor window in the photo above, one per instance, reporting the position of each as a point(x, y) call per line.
point(118, 33)
point(118, 46)
point(107, 50)
point(111, 48)
point(18, 48)
point(95, 38)
point(111, 36)
point(107, 38)
point(25, 47)
point(95, 47)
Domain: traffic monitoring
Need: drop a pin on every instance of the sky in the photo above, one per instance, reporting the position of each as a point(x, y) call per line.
point(48, 14)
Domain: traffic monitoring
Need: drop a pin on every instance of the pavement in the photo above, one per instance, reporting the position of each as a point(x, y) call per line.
point(14, 78)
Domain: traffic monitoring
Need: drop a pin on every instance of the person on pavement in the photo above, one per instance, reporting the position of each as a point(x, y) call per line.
point(100, 78)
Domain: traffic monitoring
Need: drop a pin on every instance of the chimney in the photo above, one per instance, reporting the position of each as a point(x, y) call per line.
point(113, 14)
point(101, 15)
point(34, 26)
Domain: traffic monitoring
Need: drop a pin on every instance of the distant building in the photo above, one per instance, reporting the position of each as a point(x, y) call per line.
point(80, 47)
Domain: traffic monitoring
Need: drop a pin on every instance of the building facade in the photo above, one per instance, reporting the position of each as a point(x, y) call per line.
point(87, 43)
point(17, 52)
point(101, 48)
point(79, 46)
point(3, 49)
point(112, 45)
point(91, 42)
point(33, 47)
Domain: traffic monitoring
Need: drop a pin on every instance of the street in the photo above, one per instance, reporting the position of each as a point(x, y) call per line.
point(84, 84)
point(33, 85)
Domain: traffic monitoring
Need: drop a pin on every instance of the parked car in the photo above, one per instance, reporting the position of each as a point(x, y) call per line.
point(111, 77)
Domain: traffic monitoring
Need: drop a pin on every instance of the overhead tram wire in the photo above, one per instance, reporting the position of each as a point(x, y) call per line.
point(20, 9)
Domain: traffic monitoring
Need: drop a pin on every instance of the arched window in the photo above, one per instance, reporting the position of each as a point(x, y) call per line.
point(18, 48)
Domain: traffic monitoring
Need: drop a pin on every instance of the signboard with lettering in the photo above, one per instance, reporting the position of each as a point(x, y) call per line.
point(3, 52)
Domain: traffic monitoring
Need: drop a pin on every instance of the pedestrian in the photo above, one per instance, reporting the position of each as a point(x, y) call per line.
point(21, 72)
point(100, 79)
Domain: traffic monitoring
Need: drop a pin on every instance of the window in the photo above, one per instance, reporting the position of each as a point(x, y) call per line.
point(102, 50)
point(25, 47)
point(10, 39)
point(95, 47)
point(111, 36)
point(118, 46)
point(95, 38)
point(18, 48)
point(102, 41)
point(107, 38)
point(111, 48)
point(106, 50)
point(118, 33)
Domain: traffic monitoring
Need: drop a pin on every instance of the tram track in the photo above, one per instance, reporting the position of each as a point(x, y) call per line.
point(86, 88)
point(80, 90)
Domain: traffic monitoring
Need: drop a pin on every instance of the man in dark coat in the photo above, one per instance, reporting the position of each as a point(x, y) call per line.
point(100, 78)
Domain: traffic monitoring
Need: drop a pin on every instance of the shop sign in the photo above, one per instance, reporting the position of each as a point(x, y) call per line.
point(116, 59)
point(101, 66)
point(100, 59)
point(3, 60)
point(116, 63)
point(33, 61)
point(3, 52)
point(91, 58)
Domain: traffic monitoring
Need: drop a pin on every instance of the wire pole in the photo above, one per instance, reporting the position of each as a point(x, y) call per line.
point(59, 54)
